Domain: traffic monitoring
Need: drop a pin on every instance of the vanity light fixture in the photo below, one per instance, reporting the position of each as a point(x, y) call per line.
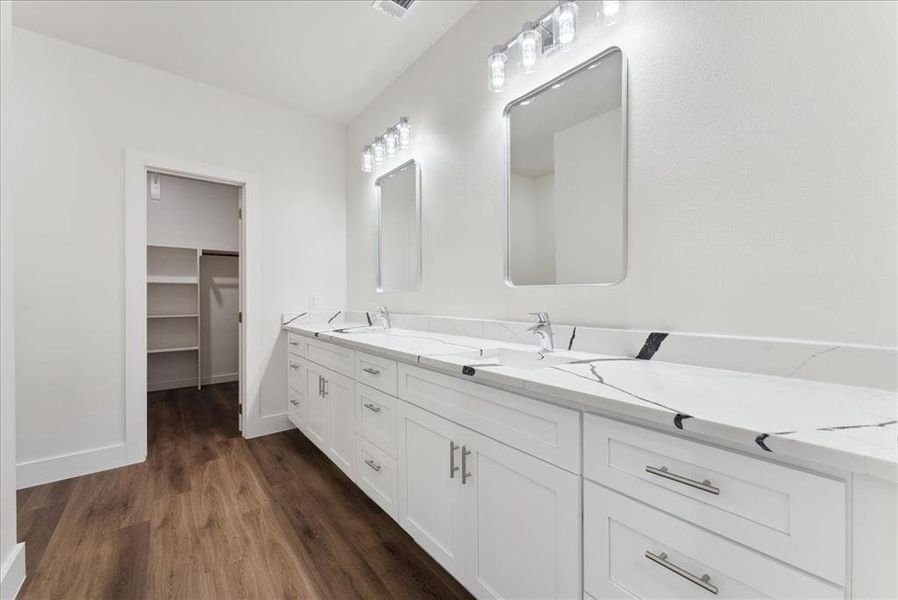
point(404, 129)
point(530, 42)
point(391, 141)
point(367, 159)
point(556, 30)
point(394, 139)
point(379, 150)
point(564, 23)
point(610, 11)
point(496, 62)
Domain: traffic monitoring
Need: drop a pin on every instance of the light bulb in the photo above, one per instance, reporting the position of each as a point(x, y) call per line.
point(367, 159)
point(404, 129)
point(564, 21)
point(391, 141)
point(610, 11)
point(496, 62)
point(530, 42)
point(379, 150)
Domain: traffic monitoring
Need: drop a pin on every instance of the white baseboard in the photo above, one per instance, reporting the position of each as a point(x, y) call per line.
point(173, 384)
point(12, 573)
point(56, 468)
point(267, 425)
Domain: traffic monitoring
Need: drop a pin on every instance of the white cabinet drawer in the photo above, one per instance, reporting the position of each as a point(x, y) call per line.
point(296, 374)
point(634, 551)
point(376, 474)
point(298, 408)
point(789, 514)
point(296, 344)
point(379, 373)
point(333, 357)
point(376, 418)
point(543, 430)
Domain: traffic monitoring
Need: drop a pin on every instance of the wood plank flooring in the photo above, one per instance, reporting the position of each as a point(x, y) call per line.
point(211, 515)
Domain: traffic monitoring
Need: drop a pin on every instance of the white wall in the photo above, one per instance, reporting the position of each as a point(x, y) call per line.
point(195, 214)
point(762, 172)
point(75, 111)
point(12, 555)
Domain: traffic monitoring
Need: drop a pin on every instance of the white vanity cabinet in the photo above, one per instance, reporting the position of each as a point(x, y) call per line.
point(503, 522)
point(521, 498)
point(330, 416)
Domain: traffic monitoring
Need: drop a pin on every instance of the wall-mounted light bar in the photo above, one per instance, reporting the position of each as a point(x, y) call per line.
point(554, 31)
point(394, 140)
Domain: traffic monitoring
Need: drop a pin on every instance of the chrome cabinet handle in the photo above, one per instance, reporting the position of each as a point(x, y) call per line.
point(704, 486)
point(703, 582)
point(372, 464)
point(464, 465)
point(294, 343)
point(320, 386)
point(294, 402)
point(294, 366)
point(324, 383)
point(371, 371)
point(372, 407)
point(452, 468)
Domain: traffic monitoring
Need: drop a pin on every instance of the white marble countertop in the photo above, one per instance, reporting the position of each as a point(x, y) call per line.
point(844, 427)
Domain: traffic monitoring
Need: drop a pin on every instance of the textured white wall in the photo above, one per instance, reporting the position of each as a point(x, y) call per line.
point(194, 214)
point(8, 578)
point(762, 172)
point(74, 111)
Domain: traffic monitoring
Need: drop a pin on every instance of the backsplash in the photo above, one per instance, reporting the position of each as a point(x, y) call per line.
point(864, 366)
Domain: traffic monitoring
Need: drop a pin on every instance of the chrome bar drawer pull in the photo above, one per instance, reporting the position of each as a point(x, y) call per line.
point(371, 371)
point(324, 387)
point(372, 464)
point(294, 343)
point(452, 468)
point(703, 582)
point(704, 486)
point(372, 407)
point(294, 366)
point(464, 465)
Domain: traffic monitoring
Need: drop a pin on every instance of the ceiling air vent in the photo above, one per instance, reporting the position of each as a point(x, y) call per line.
point(392, 8)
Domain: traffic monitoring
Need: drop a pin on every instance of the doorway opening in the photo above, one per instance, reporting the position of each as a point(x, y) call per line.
point(193, 301)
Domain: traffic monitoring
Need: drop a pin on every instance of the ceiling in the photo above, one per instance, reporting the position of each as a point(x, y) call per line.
point(328, 58)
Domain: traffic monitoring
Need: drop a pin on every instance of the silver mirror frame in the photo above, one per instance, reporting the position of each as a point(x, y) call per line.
point(506, 180)
point(380, 230)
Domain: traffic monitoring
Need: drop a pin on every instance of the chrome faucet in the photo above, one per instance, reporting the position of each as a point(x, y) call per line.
point(380, 313)
point(543, 330)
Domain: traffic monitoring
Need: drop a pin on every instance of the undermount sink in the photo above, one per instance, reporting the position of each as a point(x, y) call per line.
point(518, 359)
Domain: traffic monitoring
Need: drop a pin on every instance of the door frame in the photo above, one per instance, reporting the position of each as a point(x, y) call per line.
point(137, 165)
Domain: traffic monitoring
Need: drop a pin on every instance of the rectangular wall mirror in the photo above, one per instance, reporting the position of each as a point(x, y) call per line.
point(566, 178)
point(399, 229)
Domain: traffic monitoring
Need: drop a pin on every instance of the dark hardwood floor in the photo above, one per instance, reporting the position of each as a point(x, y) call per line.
point(211, 515)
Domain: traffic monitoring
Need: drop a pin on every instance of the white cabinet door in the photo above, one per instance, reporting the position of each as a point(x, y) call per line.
point(318, 422)
point(430, 493)
point(339, 396)
point(522, 523)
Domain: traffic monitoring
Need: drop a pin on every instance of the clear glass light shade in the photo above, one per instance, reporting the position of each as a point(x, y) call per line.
point(404, 129)
point(564, 23)
point(379, 150)
point(530, 43)
point(496, 63)
point(391, 141)
point(367, 159)
point(611, 11)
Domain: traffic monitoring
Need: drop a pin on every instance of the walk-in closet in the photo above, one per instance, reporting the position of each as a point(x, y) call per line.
point(193, 292)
